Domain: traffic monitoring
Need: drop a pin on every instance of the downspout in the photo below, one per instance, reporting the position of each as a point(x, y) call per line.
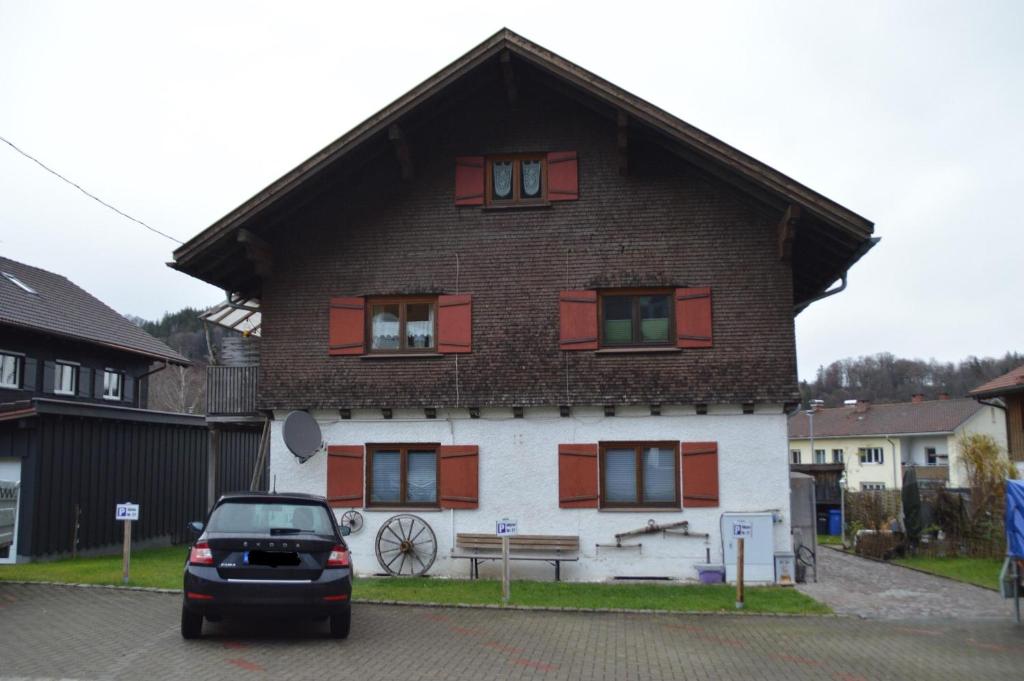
point(861, 250)
point(897, 478)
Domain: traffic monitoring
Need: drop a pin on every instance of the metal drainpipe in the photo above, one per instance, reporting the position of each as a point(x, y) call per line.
point(897, 478)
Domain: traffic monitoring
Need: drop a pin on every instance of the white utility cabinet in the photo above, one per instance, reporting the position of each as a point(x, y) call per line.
point(757, 530)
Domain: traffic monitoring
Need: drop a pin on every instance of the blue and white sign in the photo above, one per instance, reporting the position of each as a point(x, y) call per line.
point(742, 528)
point(506, 528)
point(127, 512)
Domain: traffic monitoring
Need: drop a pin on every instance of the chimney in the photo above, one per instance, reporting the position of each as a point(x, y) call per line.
point(917, 398)
point(862, 406)
point(943, 396)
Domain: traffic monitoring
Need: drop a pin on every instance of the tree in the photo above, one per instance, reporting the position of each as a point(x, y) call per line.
point(179, 389)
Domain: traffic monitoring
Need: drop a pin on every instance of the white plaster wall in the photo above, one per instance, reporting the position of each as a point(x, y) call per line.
point(914, 448)
point(856, 472)
point(519, 479)
point(987, 421)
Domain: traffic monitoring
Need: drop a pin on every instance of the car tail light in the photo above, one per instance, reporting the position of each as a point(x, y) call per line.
point(336, 597)
point(200, 554)
point(338, 557)
point(197, 596)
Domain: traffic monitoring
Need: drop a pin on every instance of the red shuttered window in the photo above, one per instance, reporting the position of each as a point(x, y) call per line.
point(460, 476)
point(693, 317)
point(345, 326)
point(563, 176)
point(578, 320)
point(345, 476)
point(455, 324)
point(469, 181)
point(700, 474)
point(577, 476)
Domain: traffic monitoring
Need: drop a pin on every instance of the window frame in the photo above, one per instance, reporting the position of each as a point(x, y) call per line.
point(107, 371)
point(402, 302)
point(635, 293)
point(19, 361)
point(838, 456)
point(794, 456)
point(58, 366)
point(872, 487)
point(404, 447)
point(638, 446)
point(824, 457)
point(932, 457)
point(865, 454)
point(517, 179)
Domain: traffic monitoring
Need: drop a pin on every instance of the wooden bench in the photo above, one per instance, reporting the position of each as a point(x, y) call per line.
point(553, 549)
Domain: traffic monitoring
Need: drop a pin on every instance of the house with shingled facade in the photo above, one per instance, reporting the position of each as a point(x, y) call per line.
point(521, 291)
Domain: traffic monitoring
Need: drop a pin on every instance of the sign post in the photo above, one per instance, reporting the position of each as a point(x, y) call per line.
point(739, 573)
point(505, 529)
point(127, 513)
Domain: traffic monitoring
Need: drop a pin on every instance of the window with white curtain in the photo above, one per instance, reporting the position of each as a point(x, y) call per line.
point(639, 474)
point(402, 475)
point(113, 385)
point(10, 371)
point(402, 324)
point(65, 378)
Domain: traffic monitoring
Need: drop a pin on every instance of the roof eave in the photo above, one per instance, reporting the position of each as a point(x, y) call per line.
point(176, 359)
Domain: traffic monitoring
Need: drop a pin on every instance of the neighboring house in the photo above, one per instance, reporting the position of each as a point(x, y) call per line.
point(874, 443)
point(1010, 389)
point(521, 291)
point(74, 428)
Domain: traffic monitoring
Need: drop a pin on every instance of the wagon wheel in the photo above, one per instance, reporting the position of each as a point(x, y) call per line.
point(353, 520)
point(405, 546)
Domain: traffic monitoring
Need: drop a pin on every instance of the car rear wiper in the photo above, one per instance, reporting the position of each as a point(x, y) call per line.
point(285, 530)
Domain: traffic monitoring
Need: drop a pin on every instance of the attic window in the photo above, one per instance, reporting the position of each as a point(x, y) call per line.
point(18, 282)
point(516, 179)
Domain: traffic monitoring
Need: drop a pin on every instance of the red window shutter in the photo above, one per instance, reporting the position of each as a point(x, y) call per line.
point(700, 474)
point(469, 180)
point(455, 323)
point(693, 317)
point(578, 320)
point(563, 176)
point(577, 476)
point(460, 479)
point(347, 326)
point(345, 475)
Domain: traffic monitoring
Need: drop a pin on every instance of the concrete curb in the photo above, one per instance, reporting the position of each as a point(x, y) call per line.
point(914, 569)
point(471, 606)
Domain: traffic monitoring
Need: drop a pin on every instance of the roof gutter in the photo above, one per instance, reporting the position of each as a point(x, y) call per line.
point(864, 247)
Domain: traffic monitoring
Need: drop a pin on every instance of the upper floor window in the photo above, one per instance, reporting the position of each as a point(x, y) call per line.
point(402, 324)
point(10, 371)
point(794, 456)
point(113, 385)
point(837, 456)
point(402, 475)
point(934, 458)
point(819, 456)
point(65, 378)
point(871, 455)
point(638, 318)
point(639, 474)
point(521, 178)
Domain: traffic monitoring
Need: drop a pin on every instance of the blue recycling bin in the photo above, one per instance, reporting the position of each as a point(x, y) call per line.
point(835, 522)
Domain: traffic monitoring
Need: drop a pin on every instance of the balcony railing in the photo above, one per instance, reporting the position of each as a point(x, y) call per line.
point(231, 390)
point(930, 473)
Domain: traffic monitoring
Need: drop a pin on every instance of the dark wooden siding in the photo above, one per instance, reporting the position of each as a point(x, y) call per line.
point(231, 390)
point(87, 465)
point(1015, 426)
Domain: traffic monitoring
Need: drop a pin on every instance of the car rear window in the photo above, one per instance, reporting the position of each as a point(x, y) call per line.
point(270, 518)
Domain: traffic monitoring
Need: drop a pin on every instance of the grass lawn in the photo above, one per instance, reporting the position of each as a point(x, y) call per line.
point(152, 567)
point(162, 568)
point(980, 571)
point(830, 539)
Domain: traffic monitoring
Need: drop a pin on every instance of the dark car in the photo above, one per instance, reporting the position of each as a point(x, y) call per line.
point(268, 555)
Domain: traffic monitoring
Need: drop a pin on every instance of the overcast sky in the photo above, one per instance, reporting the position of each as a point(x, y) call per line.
point(911, 114)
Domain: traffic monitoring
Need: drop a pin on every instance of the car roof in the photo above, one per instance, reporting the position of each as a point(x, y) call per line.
point(272, 497)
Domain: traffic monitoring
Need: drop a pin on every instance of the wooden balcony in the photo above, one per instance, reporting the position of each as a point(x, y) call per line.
point(231, 393)
point(930, 475)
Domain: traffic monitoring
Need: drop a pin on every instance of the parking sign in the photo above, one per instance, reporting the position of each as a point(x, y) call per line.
point(506, 527)
point(127, 511)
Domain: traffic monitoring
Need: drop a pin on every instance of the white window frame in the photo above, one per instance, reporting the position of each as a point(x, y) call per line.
point(16, 358)
point(107, 394)
point(58, 369)
point(794, 456)
point(933, 452)
point(838, 456)
point(872, 456)
point(872, 487)
point(819, 456)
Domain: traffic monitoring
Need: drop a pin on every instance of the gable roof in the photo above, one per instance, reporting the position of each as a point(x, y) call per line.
point(902, 418)
point(57, 306)
point(830, 238)
point(1010, 382)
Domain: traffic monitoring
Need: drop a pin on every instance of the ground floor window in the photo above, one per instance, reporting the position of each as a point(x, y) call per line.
point(872, 486)
point(402, 475)
point(639, 474)
point(871, 455)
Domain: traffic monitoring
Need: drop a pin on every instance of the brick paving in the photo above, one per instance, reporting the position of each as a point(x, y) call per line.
point(49, 632)
point(852, 585)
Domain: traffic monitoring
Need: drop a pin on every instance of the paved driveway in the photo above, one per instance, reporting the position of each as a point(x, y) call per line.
point(67, 632)
point(856, 586)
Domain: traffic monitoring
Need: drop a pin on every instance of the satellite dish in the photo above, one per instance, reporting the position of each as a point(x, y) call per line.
point(302, 435)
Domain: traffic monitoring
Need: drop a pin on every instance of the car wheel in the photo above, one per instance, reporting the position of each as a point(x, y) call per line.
point(191, 624)
point(341, 623)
